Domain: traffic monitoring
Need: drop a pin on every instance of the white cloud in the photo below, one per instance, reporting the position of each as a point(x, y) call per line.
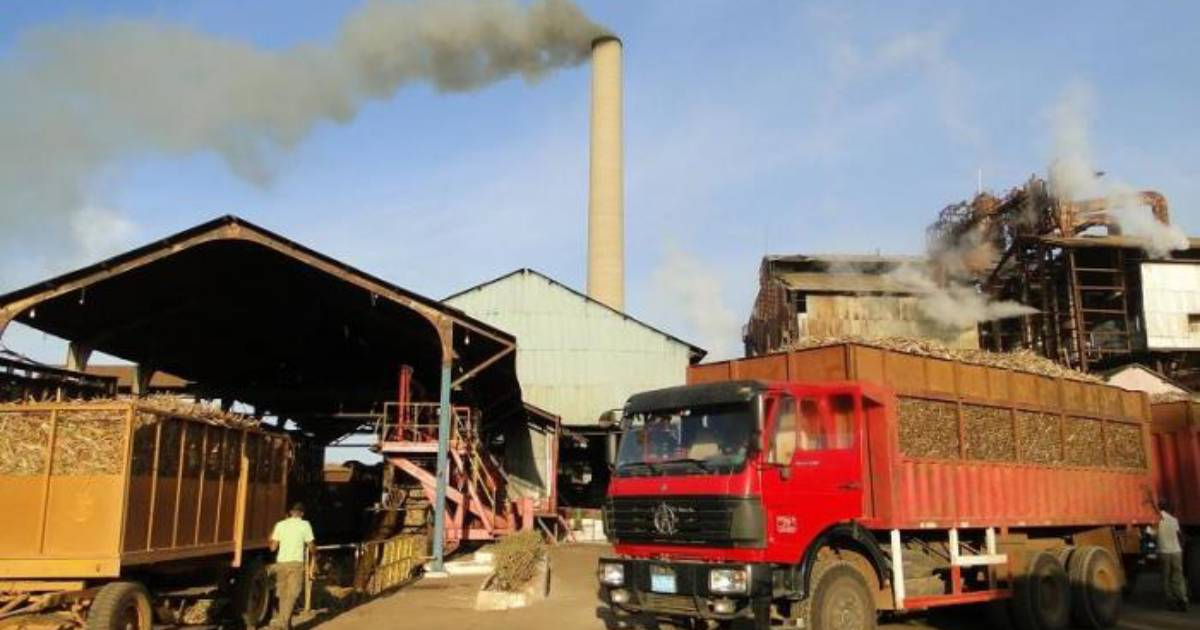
point(98, 233)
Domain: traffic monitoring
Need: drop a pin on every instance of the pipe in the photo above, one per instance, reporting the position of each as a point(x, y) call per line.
point(606, 221)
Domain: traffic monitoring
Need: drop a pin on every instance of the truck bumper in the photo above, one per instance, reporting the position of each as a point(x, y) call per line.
point(687, 594)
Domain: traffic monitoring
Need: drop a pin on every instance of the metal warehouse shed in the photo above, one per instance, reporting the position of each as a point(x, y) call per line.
point(577, 357)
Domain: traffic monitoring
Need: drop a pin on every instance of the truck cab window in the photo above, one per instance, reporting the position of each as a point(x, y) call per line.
point(811, 433)
point(784, 445)
point(842, 436)
point(826, 425)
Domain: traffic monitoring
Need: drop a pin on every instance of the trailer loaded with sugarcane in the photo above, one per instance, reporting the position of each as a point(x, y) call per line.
point(119, 513)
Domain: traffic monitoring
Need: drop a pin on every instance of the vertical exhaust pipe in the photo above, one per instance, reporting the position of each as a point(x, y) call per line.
point(606, 196)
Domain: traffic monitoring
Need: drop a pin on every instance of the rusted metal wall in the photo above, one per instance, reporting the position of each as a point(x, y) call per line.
point(959, 488)
point(106, 485)
point(1176, 429)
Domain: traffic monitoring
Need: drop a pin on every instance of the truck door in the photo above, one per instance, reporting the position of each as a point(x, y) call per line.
point(814, 475)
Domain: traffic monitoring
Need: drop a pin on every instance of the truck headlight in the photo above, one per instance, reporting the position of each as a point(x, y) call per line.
point(728, 580)
point(612, 573)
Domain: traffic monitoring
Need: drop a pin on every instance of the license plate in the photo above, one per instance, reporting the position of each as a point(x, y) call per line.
point(662, 580)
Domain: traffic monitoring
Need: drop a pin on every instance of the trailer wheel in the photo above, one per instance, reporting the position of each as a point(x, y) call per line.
point(252, 594)
point(1095, 588)
point(840, 599)
point(121, 606)
point(1192, 568)
point(1041, 598)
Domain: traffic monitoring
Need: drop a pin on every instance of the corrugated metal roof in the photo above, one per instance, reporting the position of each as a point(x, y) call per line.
point(818, 282)
point(1122, 242)
point(576, 357)
point(697, 351)
point(898, 259)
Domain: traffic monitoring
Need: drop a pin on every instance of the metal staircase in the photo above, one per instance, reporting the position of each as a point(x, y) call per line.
point(478, 507)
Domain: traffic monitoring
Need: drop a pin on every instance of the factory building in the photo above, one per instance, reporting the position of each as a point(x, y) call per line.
point(840, 295)
point(578, 359)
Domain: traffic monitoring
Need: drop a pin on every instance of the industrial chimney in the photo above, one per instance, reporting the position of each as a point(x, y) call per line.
point(606, 197)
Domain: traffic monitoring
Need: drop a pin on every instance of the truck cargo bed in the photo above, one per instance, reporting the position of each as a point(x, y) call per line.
point(969, 445)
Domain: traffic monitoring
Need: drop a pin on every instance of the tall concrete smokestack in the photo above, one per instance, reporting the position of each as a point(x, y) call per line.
point(606, 197)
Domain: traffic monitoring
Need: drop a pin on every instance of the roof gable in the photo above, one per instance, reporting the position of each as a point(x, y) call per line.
point(697, 352)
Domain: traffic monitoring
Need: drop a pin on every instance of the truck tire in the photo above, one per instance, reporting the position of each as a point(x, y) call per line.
point(840, 599)
point(1192, 569)
point(1095, 588)
point(252, 594)
point(121, 606)
point(1041, 598)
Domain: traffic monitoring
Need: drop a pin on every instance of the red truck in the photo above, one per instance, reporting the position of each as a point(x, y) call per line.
point(817, 488)
point(1176, 430)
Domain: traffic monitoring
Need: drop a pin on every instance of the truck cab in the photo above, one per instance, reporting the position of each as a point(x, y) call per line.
point(720, 490)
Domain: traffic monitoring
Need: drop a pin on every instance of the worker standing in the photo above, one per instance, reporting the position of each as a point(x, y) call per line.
point(1170, 553)
point(290, 540)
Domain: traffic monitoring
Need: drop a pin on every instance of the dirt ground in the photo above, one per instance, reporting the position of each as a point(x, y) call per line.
point(447, 604)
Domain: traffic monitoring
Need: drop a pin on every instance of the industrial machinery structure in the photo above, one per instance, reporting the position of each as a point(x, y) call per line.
point(102, 498)
point(816, 487)
point(1101, 299)
point(1176, 430)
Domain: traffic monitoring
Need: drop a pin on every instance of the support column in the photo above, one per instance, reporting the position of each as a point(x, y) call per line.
point(141, 380)
point(77, 356)
point(443, 452)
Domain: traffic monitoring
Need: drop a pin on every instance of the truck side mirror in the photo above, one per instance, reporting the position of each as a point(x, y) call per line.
point(610, 446)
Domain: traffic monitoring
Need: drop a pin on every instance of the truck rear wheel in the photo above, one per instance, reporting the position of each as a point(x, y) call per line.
point(252, 594)
point(121, 606)
point(840, 599)
point(1095, 588)
point(1192, 568)
point(1041, 598)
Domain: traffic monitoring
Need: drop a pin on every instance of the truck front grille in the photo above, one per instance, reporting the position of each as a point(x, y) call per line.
point(722, 521)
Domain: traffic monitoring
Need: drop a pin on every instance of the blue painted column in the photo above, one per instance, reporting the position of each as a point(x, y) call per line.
point(443, 468)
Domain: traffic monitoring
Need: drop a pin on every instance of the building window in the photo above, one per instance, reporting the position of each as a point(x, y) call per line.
point(1194, 323)
point(801, 301)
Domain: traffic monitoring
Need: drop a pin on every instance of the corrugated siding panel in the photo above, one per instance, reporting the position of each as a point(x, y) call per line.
point(575, 358)
point(1170, 294)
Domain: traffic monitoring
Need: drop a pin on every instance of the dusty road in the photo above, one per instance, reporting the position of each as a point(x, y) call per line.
point(447, 605)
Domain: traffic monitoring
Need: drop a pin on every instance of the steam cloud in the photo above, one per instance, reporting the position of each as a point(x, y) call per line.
point(81, 98)
point(1073, 176)
point(954, 305)
point(683, 285)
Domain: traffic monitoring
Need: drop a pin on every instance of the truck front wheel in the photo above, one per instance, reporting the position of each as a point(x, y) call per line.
point(840, 599)
point(121, 606)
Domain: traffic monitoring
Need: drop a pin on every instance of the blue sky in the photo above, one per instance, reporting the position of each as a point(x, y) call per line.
point(750, 127)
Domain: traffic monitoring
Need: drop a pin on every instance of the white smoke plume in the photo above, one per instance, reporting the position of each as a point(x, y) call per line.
point(82, 97)
point(953, 305)
point(683, 285)
point(1073, 176)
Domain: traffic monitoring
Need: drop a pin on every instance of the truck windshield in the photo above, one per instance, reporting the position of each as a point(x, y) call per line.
point(703, 440)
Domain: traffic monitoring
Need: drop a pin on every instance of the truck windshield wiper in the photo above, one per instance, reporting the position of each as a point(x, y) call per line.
point(698, 463)
point(647, 466)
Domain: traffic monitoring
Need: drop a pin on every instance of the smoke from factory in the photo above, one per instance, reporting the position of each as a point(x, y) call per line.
point(81, 98)
point(1073, 176)
point(946, 289)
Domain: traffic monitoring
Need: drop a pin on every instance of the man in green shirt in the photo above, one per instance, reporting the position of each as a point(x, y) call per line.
point(290, 539)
